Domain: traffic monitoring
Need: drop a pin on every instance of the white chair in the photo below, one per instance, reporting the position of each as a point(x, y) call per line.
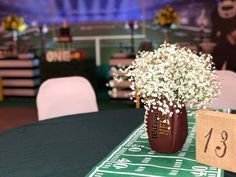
point(65, 96)
point(227, 98)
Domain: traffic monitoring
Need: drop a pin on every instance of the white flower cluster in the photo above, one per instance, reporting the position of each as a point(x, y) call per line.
point(175, 76)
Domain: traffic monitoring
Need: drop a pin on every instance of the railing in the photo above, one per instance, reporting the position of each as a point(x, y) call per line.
point(97, 42)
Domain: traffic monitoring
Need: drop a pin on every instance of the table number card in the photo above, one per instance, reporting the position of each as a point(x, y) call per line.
point(216, 139)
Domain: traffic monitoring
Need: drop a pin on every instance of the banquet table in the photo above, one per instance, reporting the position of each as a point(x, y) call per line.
point(85, 67)
point(68, 146)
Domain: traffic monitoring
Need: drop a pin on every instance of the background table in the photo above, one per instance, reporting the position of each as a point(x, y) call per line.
point(84, 67)
point(69, 146)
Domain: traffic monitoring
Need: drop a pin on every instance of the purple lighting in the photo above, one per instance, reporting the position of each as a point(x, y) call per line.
point(55, 11)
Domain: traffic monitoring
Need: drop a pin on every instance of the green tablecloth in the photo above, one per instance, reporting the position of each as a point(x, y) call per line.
point(134, 157)
point(69, 146)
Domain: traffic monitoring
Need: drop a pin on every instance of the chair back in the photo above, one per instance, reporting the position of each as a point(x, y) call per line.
point(65, 96)
point(227, 98)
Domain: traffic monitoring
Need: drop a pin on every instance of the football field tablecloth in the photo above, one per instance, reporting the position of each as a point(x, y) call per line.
point(133, 157)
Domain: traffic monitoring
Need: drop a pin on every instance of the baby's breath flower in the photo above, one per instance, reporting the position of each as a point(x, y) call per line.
point(180, 76)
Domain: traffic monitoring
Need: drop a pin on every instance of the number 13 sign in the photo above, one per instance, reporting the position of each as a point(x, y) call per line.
point(216, 139)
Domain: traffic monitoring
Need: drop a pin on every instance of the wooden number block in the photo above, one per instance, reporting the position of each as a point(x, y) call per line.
point(216, 139)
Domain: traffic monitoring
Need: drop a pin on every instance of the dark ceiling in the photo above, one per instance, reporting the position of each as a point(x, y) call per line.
point(55, 11)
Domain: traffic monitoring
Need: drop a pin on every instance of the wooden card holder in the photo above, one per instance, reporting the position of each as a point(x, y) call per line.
point(216, 139)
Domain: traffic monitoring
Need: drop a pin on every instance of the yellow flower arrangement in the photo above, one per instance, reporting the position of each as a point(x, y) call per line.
point(166, 17)
point(13, 23)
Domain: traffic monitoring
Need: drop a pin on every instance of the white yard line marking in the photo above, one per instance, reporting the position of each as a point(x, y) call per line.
point(141, 141)
point(167, 157)
point(128, 173)
point(219, 172)
point(169, 168)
